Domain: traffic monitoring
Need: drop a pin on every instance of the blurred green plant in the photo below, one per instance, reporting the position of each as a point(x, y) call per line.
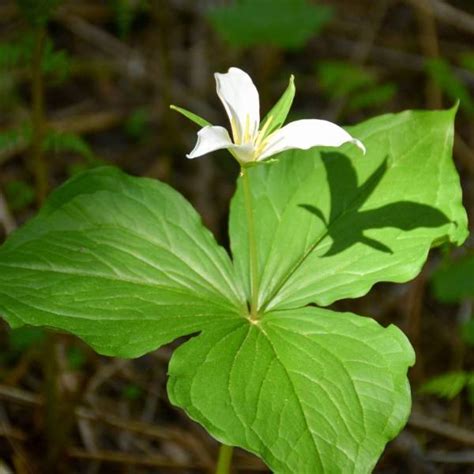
point(361, 86)
point(453, 282)
point(467, 61)
point(450, 385)
point(21, 339)
point(38, 12)
point(54, 141)
point(19, 194)
point(125, 13)
point(18, 53)
point(443, 74)
point(16, 56)
point(287, 24)
point(132, 392)
point(58, 142)
point(15, 137)
point(76, 357)
point(137, 124)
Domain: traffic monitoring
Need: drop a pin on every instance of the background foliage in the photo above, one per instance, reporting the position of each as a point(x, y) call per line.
point(110, 71)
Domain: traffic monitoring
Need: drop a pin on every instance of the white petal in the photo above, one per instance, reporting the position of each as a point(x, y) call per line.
point(210, 138)
point(243, 153)
point(241, 102)
point(304, 134)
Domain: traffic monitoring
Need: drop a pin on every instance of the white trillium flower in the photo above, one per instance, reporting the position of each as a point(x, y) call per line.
point(252, 143)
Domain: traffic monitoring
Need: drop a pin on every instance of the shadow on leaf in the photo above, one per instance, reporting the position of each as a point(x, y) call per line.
point(347, 224)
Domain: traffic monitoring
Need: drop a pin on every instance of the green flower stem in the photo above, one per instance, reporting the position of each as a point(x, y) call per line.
point(252, 245)
point(225, 459)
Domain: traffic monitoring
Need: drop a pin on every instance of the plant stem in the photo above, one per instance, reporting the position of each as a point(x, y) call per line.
point(225, 459)
point(56, 422)
point(37, 116)
point(252, 246)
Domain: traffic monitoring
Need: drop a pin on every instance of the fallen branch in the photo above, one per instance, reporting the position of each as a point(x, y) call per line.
point(442, 428)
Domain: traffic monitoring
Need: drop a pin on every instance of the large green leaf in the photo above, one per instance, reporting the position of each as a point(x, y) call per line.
point(308, 390)
point(122, 262)
point(126, 264)
point(332, 223)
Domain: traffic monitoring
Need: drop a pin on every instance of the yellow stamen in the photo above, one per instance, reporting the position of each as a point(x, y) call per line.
point(247, 129)
point(263, 131)
point(261, 146)
point(235, 132)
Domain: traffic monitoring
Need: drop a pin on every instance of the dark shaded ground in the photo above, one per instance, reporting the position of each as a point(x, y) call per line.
point(126, 62)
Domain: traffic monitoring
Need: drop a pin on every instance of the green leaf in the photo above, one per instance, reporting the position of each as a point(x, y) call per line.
point(15, 137)
point(19, 194)
point(467, 61)
point(76, 358)
point(125, 13)
point(454, 281)
point(373, 97)
point(132, 392)
point(278, 113)
point(331, 224)
point(467, 332)
point(25, 337)
point(447, 385)
point(339, 78)
point(470, 389)
point(56, 64)
point(38, 12)
point(308, 390)
point(15, 53)
point(56, 142)
point(191, 116)
point(283, 23)
point(122, 262)
point(137, 125)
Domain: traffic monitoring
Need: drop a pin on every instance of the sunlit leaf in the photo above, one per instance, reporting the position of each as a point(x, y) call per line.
point(332, 223)
point(308, 390)
point(124, 263)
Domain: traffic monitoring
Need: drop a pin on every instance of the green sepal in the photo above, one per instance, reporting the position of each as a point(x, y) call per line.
point(280, 110)
point(191, 116)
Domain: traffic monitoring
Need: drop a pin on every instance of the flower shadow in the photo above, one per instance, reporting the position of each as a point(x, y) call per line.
point(347, 223)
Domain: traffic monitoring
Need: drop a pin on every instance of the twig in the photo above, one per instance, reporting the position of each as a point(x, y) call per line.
point(81, 124)
point(155, 461)
point(428, 39)
point(19, 396)
point(414, 315)
point(394, 58)
point(145, 429)
point(6, 219)
point(464, 152)
point(132, 459)
point(461, 457)
point(13, 433)
point(453, 16)
point(360, 53)
point(442, 428)
point(130, 61)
